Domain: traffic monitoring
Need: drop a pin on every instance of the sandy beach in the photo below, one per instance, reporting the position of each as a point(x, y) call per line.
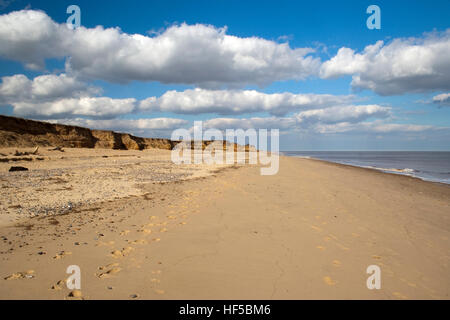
point(140, 227)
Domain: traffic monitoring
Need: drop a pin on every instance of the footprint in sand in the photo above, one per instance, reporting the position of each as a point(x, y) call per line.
point(376, 257)
point(122, 253)
point(147, 231)
point(316, 228)
point(61, 254)
point(124, 232)
point(337, 263)
point(59, 285)
point(156, 239)
point(158, 291)
point(101, 243)
point(154, 280)
point(320, 248)
point(21, 275)
point(342, 247)
point(139, 241)
point(163, 230)
point(75, 294)
point(108, 273)
point(329, 281)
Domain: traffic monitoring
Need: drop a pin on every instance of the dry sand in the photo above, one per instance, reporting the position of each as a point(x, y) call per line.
point(308, 232)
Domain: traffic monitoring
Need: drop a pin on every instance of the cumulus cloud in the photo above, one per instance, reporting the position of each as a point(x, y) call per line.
point(350, 114)
point(371, 127)
point(224, 102)
point(126, 125)
point(250, 123)
point(97, 107)
point(442, 99)
point(59, 95)
point(321, 120)
point(190, 54)
point(45, 88)
point(403, 65)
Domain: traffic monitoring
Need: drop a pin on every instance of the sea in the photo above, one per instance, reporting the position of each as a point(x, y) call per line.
point(425, 165)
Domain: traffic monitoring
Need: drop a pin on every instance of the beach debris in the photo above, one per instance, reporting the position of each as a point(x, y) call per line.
point(57, 149)
point(26, 153)
point(17, 168)
point(134, 296)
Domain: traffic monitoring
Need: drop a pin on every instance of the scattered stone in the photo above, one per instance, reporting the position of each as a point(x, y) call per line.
point(18, 168)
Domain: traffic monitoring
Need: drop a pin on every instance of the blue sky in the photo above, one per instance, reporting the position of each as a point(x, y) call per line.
point(393, 109)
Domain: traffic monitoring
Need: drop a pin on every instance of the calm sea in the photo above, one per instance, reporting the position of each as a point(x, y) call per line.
point(430, 166)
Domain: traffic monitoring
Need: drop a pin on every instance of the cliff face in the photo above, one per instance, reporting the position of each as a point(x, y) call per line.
point(17, 132)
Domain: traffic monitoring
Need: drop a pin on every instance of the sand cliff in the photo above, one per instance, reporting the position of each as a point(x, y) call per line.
point(18, 132)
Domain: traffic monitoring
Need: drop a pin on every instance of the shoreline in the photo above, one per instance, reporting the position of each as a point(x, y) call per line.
point(308, 232)
point(371, 168)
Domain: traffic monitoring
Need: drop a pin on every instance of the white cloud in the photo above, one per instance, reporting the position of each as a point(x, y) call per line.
point(250, 123)
point(45, 88)
point(225, 102)
point(442, 99)
point(333, 119)
point(59, 96)
point(98, 107)
point(403, 65)
point(191, 54)
point(376, 127)
point(126, 125)
point(350, 114)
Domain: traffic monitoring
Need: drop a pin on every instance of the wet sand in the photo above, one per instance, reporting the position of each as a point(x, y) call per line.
point(308, 232)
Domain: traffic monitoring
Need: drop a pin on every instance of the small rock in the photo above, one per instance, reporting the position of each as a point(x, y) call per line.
point(17, 169)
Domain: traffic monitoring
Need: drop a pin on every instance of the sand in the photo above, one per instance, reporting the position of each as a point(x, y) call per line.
point(309, 232)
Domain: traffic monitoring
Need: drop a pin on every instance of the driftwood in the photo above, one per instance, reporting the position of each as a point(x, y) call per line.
point(57, 149)
point(27, 153)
